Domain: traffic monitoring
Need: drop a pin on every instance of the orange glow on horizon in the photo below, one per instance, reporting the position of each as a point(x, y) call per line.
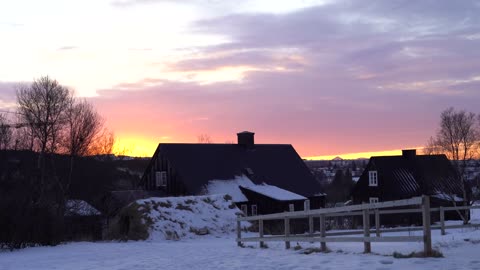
point(137, 146)
point(366, 155)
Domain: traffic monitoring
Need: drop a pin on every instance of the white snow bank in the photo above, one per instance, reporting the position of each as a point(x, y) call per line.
point(188, 217)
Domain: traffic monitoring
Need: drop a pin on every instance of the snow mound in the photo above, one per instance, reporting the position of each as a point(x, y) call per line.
point(175, 218)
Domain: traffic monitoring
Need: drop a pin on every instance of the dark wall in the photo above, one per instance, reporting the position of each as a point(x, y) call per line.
point(175, 186)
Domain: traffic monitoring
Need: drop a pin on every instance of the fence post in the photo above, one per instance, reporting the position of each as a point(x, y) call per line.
point(427, 232)
point(377, 222)
point(260, 231)
point(287, 232)
point(367, 248)
point(287, 227)
point(323, 244)
point(442, 220)
point(239, 233)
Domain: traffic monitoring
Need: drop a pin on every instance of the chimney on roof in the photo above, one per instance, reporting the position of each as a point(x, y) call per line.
point(246, 138)
point(409, 153)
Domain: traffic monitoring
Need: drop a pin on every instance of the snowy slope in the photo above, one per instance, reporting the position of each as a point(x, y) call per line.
point(175, 218)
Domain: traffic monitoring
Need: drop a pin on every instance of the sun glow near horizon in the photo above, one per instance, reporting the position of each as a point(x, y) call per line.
point(138, 146)
point(365, 155)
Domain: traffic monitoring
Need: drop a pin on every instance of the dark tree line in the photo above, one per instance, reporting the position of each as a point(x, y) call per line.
point(338, 190)
point(50, 122)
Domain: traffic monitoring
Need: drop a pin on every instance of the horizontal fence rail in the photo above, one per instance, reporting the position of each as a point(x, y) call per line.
point(351, 208)
point(420, 204)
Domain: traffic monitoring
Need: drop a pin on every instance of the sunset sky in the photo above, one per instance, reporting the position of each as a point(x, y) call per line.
point(329, 77)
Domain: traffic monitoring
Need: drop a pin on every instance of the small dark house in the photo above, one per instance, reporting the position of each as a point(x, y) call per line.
point(389, 178)
point(258, 172)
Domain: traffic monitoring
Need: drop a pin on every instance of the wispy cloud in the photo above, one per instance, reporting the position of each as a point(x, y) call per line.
point(67, 48)
point(343, 72)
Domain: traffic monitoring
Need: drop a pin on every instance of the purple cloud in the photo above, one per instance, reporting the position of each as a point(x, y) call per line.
point(358, 76)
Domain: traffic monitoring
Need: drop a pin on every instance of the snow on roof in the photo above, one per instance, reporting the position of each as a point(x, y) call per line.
point(230, 187)
point(275, 192)
point(448, 197)
point(80, 208)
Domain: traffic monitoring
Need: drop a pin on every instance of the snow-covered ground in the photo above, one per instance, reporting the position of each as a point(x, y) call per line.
point(222, 253)
point(461, 248)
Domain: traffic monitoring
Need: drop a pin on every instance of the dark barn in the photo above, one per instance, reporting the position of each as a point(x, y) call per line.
point(388, 178)
point(190, 169)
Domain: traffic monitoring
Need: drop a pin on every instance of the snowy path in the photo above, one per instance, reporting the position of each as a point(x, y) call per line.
point(222, 253)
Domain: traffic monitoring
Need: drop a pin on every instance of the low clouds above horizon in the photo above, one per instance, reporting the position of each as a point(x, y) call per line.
point(340, 77)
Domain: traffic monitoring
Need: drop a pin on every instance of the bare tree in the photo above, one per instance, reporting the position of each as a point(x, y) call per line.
point(457, 138)
point(83, 124)
point(42, 105)
point(5, 133)
point(103, 143)
point(204, 138)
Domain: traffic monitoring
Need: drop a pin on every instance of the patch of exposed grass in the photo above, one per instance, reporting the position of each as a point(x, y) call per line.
point(207, 200)
point(190, 201)
point(308, 251)
point(184, 207)
point(435, 254)
point(166, 204)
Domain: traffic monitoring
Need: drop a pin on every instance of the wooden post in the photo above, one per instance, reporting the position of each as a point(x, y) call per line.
point(323, 245)
point(260, 231)
point(287, 232)
point(427, 232)
point(306, 208)
point(367, 248)
point(442, 220)
point(239, 233)
point(310, 226)
point(377, 222)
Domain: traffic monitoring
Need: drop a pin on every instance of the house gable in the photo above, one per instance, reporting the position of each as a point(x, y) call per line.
point(407, 176)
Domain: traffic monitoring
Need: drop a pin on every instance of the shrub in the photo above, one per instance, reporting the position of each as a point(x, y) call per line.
point(130, 224)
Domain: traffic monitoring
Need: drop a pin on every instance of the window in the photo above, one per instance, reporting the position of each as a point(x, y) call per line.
point(161, 178)
point(373, 199)
point(372, 178)
point(291, 207)
point(254, 210)
point(244, 209)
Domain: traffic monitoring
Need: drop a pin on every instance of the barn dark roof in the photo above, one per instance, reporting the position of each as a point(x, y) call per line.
point(407, 176)
point(273, 164)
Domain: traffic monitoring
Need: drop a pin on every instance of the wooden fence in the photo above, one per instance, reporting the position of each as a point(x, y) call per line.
point(416, 205)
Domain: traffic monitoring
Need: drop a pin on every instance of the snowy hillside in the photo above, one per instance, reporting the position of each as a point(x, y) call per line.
point(175, 218)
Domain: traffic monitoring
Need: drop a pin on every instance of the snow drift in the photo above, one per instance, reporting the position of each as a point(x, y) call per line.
point(175, 218)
